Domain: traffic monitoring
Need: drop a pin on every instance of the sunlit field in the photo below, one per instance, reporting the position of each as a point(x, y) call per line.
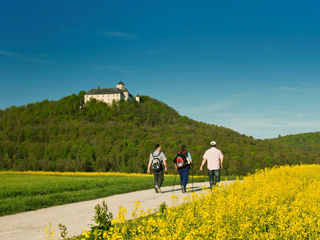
point(278, 203)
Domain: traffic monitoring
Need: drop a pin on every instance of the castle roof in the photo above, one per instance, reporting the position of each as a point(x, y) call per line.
point(95, 91)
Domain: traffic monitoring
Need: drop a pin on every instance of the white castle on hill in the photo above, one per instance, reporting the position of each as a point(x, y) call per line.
point(107, 95)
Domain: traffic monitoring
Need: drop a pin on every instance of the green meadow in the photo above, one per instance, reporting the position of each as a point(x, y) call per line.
point(26, 192)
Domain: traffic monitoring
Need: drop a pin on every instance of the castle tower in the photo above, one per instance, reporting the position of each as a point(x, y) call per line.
point(138, 98)
point(121, 86)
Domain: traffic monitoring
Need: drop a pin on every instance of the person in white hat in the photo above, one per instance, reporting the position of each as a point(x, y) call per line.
point(214, 159)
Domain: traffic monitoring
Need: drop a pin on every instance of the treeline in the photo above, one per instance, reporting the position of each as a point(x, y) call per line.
point(64, 135)
point(305, 141)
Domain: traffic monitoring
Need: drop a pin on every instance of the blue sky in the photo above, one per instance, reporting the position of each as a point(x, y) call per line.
point(252, 66)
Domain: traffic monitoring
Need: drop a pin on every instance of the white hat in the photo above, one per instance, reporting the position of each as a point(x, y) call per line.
point(213, 143)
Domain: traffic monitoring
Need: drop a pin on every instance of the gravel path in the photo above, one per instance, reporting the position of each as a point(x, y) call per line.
point(78, 216)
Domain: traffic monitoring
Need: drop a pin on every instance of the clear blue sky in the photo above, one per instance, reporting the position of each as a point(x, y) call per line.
point(252, 66)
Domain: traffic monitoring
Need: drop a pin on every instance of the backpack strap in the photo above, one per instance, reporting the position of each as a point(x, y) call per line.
point(158, 154)
point(185, 153)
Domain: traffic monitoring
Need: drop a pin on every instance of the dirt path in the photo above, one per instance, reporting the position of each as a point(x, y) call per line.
point(78, 216)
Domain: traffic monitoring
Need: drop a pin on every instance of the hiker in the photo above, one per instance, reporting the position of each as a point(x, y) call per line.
point(157, 159)
point(182, 162)
point(215, 163)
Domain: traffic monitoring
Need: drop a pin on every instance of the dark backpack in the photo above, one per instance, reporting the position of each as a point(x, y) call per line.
point(181, 159)
point(156, 163)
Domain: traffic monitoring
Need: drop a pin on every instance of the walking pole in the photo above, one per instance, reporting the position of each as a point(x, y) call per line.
point(174, 181)
point(192, 176)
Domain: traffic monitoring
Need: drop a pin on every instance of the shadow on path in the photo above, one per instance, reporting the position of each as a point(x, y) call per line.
point(178, 189)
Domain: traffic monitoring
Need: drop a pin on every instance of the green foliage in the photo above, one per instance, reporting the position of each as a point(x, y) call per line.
point(63, 230)
point(64, 135)
point(162, 208)
point(309, 142)
point(103, 220)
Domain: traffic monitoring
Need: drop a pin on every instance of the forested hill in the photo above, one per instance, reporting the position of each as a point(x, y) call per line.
point(63, 136)
point(305, 141)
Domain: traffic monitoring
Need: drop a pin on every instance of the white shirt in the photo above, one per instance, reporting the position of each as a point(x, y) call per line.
point(213, 155)
point(162, 157)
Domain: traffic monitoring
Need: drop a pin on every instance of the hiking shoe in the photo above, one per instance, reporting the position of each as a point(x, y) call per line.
point(157, 189)
point(183, 189)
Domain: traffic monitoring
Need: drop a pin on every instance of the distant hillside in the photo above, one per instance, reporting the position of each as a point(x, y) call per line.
point(304, 141)
point(61, 136)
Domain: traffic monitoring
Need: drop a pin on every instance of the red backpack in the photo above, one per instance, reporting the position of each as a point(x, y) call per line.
point(181, 159)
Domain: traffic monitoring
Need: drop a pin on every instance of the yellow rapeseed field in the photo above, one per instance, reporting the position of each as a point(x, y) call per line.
point(85, 174)
point(79, 174)
point(277, 203)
